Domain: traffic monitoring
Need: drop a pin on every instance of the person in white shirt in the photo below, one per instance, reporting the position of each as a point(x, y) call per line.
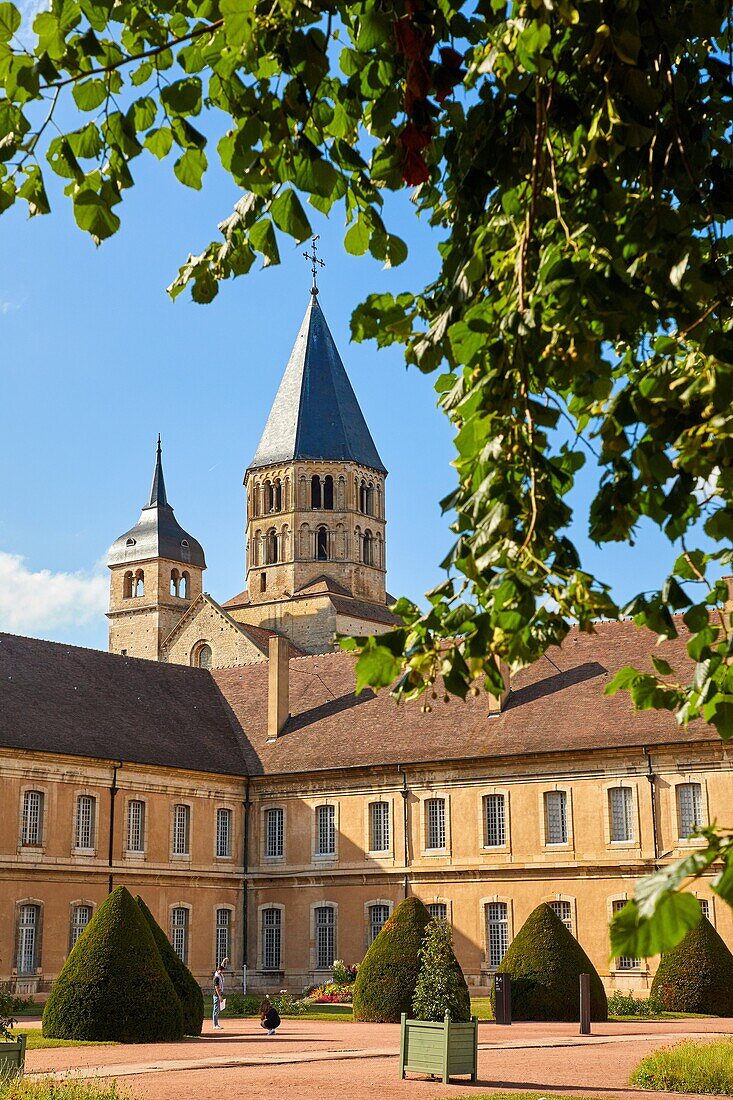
point(218, 982)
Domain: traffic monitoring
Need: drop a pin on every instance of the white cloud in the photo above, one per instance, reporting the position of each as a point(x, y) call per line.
point(33, 602)
point(9, 307)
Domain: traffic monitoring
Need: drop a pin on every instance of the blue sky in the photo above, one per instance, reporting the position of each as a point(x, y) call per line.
point(96, 360)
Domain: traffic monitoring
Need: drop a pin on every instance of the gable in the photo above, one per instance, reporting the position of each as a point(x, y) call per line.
point(205, 622)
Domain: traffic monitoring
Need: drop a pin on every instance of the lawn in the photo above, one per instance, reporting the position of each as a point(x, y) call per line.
point(688, 1067)
point(21, 1088)
point(36, 1041)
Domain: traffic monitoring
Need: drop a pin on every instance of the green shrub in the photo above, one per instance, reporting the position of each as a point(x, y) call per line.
point(697, 975)
point(289, 1006)
point(187, 988)
point(688, 1067)
point(544, 962)
point(24, 1088)
point(441, 986)
point(242, 1004)
point(385, 983)
point(626, 1004)
point(114, 986)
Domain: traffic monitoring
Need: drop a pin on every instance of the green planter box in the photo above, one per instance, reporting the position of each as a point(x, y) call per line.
point(441, 1049)
point(12, 1056)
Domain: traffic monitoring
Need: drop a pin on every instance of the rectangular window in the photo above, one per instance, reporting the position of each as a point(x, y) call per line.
point(326, 831)
point(274, 833)
point(625, 962)
point(438, 910)
point(181, 831)
point(564, 912)
point(689, 808)
point(435, 823)
point(26, 961)
point(223, 833)
point(32, 829)
point(135, 825)
point(494, 821)
point(179, 932)
point(705, 907)
point(85, 807)
point(379, 827)
point(556, 817)
point(378, 916)
point(325, 936)
point(621, 812)
point(223, 935)
point(80, 917)
point(497, 931)
point(271, 938)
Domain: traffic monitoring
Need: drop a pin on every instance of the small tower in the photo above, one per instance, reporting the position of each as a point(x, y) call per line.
point(157, 571)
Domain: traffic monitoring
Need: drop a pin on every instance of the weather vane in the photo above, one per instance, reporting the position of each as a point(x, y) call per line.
point(314, 260)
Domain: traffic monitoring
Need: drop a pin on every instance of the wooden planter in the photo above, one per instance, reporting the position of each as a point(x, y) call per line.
point(12, 1056)
point(441, 1049)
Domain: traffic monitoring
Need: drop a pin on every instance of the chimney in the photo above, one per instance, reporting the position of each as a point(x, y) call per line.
point(278, 686)
point(496, 702)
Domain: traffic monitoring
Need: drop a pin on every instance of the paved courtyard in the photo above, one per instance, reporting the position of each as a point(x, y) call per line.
point(315, 1058)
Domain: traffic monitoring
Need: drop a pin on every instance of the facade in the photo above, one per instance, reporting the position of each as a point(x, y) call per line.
point(218, 762)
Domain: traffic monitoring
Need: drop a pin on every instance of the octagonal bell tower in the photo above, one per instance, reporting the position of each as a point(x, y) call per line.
point(315, 487)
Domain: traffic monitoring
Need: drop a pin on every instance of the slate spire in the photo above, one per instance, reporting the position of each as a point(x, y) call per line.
point(157, 489)
point(315, 414)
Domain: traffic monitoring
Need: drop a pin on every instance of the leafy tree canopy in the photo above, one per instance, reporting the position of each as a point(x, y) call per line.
point(574, 160)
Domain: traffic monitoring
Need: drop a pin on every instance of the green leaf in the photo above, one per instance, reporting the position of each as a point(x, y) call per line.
point(263, 240)
point(93, 214)
point(356, 240)
point(238, 20)
point(183, 97)
point(34, 192)
point(88, 94)
point(289, 215)
point(638, 936)
point(663, 667)
point(190, 168)
point(159, 142)
point(143, 113)
point(376, 668)
point(9, 21)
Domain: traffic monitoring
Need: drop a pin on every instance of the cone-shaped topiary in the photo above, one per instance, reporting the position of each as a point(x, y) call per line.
point(544, 962)
point(114, 986)
point(187, 988)
point(441, 986)
point(697, 975)
point(387, 977)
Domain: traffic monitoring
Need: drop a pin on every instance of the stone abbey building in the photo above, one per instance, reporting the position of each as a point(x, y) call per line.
point(218, 762)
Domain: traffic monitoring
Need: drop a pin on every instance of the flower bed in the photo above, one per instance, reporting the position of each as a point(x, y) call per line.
point(332, 994)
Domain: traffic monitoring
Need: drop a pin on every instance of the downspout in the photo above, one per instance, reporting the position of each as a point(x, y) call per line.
point(651, 777)
point(245, 868)
point(405, 827)
point(112, 794)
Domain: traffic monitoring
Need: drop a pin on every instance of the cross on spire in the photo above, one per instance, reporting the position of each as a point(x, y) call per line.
point(312, 256)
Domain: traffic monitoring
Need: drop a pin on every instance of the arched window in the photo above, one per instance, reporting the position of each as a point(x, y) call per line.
point(202, 655)
point(278, 496)
point(315, 491)
point(269, 497)
point(174, 582)
point(184, 588)
point(321, 543)
point(127, 586)
point(139, 583)
point(367, 548)
point(370, 499)
point(363, 497)
point(328, 492)
point(263, 582)
point(379, 552)
point(179, 932)
point(272, 547)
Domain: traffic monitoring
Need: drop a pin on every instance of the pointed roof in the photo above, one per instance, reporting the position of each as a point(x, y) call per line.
point(157, 534)
point(315, 414)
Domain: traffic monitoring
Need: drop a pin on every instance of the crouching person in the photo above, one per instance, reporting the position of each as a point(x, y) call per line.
point(269, 1017)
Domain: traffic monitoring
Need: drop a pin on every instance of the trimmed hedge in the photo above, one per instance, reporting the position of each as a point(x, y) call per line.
point(544, 962)
point(697, 975)
point(441, 986)
point(187, 988)
point(385, 984)
point(114, 986)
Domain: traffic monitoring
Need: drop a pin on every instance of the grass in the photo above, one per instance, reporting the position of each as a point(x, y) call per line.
point(688, 1067)
point(21, 1088)
point(662, 1016)
point(36, 1041)
point(524, 1096)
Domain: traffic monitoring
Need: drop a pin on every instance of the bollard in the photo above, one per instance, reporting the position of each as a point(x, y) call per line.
point(585, 1004)
point(503, 998)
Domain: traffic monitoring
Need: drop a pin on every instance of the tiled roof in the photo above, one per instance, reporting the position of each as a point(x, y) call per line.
point(240, 600)
point(63, 699)
point(550, 709)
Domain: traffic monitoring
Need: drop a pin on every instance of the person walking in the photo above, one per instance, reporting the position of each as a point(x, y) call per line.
point(269, 1017)
point(219, 1000)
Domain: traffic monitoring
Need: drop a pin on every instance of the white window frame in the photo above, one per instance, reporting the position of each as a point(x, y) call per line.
point(368, 905)
point(566, 899)
point(85, 798)
point(266, 811)
point(228, 813)
point(426, 799)
point(483, 818)
point(261, 944)
point(135, 853)
point(446, 905)
point(76, 928)
point(185, 927)
point(624, 964)
point(495, 899)
point(563, 845)
point(388, 848)
point(333, 906)
point(227, 953)
point(26, 835)
point(22, 940)
point(635, 842)
point(679, 840)
point(320, 808)
point(175, 829)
